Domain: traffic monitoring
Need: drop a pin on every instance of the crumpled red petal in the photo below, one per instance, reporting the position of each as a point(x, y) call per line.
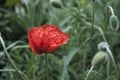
point(46, 38)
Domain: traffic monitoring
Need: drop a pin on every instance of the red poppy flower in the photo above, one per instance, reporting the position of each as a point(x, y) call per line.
point(46, 38)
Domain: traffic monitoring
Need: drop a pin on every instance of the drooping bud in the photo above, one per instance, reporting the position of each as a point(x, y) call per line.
point(56, 3)
point(102, 46)
point(114, 22)
point(99, 58)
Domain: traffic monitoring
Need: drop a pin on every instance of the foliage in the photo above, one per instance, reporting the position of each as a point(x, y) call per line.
point(71, 61)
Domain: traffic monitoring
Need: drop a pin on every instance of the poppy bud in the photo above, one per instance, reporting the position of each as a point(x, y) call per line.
point(114, 22)
point(102, 46)
point(56, 3)
point(99, 58)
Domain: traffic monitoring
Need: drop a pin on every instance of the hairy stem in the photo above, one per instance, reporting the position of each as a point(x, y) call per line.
point(89, 72)
point(113, 60)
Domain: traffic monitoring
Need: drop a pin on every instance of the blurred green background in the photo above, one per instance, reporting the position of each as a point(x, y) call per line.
point(71, 61)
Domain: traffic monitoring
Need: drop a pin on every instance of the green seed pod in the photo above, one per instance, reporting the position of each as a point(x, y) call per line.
point(102, 46)
point(99, 58)
point(114, 22)
point(56, 3)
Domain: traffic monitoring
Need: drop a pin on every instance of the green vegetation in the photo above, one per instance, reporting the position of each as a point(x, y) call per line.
point(71, 61)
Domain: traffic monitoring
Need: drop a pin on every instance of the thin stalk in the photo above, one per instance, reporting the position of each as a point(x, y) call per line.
point(84, 61)
point(46, 66)
point(89, 72)
point(113, 60)
point(5, 70)
point(10, 59)
point(93, 18)
point(93, 14)
point(108, 68)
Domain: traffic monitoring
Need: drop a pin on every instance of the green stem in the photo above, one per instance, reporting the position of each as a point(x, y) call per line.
point(89, 72)
point(114, 64)
point(84, 61)
point(5, 70)
point(93, 18)
point(108, 68)
point(10, 59)
point(46, 66)
point(93, 14)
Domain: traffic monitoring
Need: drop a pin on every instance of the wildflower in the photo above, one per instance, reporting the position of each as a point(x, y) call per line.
point(46, 38)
